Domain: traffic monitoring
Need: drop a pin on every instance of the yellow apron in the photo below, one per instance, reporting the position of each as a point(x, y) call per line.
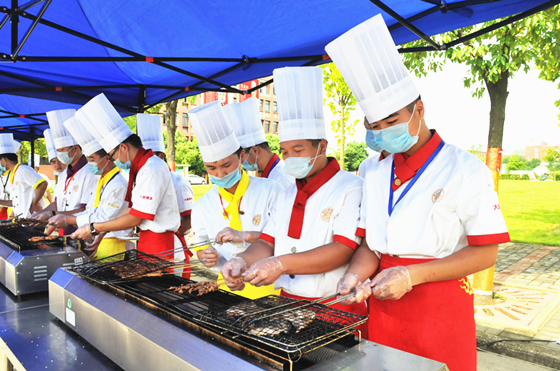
point(109, 246)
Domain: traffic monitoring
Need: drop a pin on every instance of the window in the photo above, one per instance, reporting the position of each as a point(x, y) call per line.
point(267, 106)
point(267, 126)
point(234, 99)
point(536, 153)
point(274, 107)
point(264, 89)
point(275, 126)
point(260, 104)
point(185, 120)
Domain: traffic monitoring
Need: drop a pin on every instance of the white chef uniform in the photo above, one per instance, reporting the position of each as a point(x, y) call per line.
point(368, 163)
point(22, 187)
point(277, 172)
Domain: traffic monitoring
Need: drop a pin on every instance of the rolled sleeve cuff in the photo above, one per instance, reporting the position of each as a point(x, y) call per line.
point(38, 182)
point(267, 238)
point(186, 212)
point(345, 241)
point(488, 239)
point(361, 232)
point(142, 215)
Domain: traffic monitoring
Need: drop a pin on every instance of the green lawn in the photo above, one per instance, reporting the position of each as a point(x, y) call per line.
point(200, 190)
point(531, 210)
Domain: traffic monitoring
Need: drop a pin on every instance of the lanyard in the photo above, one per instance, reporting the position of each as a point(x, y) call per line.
point(105, 186)
point(412, 181)
point(273, 166)
point(225, 213)
point(68, 182)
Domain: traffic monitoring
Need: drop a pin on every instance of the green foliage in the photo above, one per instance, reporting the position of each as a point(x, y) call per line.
point(188, 153)
point(478, 152)
point(532, 164)
point(516, 163)
point(40, 149)
point(274, 143)
point(552, 157)
point(131, 122)
point(354, 154)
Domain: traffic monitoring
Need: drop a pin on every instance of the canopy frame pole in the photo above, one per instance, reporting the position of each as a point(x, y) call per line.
point(32, 144)
point(24, 116)
point(141, 98)
point(32, 27)
point(15, 21)
point(407, 24)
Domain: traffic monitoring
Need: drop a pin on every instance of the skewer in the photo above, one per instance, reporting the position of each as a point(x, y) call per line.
point(182, 248)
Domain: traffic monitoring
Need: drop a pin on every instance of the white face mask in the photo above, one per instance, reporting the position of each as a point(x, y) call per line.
point(299, 167)
point(65, 158)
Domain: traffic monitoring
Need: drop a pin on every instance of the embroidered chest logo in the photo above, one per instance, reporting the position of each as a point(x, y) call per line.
point(257, 220)
point(466, 285)
point(76, 188)
point(437, 195)
point(17, 183)
point(326, 214)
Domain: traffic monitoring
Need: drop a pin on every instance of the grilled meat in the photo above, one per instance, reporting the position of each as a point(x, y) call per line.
point(243, 309)
point(202, 288)
point(300, 318)
point(42, 238)
point(270, 327)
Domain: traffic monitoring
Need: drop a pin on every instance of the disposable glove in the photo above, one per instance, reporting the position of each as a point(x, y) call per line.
point(233, 269)
point(264, 272)
point(59, 221)
point(391, 284)
point(345, 285)
point(210, 255)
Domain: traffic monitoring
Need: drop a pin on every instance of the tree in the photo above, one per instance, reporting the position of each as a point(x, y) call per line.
point(170, 122)
point(341, 101)
point(552, 157)
point(354, 155)
point(273, 143)
point(516, 163)
point(40, 149)
point(533, 164)
point(189, 153)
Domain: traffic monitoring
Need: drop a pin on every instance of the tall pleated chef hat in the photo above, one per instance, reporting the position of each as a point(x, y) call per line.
point(36, 160)
point(246, 122)
point(17, 146)
point(149, 130)
point(7, 144)
point(299, 91)
point(84, 137)
point(213, 131)
point(368, 59)
point(104, 122)
point(61, 137)
point(49, 143)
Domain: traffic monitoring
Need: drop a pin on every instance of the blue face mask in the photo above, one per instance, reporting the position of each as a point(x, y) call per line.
point(250, 167)
point(371, 143)
point(228, 181)
point(299, 167)
point(94, 168)
point(396, 138)
point(64, 158)
point(57, 173)
point(123, 165)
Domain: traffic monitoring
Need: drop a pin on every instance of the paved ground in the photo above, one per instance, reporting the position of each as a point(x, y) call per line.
point(488, 361)
point(534, 266)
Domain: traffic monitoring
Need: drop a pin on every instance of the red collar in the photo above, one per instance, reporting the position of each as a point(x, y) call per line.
point(407, 166)
point(270, 166)
point(140, 160)
point(307, 190)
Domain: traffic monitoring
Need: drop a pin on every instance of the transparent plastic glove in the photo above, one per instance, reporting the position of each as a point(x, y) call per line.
point(93, 245)
point(209, 254)
point(391, 284)
point(41, 215)
point(345, 285)
point(264, 272)
point(230, 235)
point(82, 233)
point(59, 221)
point(234, 268)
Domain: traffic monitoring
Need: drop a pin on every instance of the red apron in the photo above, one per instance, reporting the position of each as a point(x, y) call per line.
point(352, 308)
point(188, 254)
point(435, 320)
point(3, 213)
point(153, 243)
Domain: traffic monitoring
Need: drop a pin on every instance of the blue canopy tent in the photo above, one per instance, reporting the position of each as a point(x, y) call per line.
point(58, 54)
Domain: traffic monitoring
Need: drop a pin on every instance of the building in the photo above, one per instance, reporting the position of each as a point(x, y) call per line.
point(268, 106)
point(537, 151)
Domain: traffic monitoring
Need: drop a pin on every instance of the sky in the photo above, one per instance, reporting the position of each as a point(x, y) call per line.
point(531, 116)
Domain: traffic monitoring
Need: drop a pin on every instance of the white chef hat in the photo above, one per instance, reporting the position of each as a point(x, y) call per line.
point(213, 131)
point(37, 160)
point(246, 122)
point(17, 146)
point(49, 143)
point(299, 91)
point(368, 59)
point(149, 130)
point(7, 143)
point(84, 137)
point(104, 122)
point(62, 137)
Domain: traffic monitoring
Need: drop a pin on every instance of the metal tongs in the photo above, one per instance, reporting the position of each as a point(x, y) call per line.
point(248, 321)
point(183, 248)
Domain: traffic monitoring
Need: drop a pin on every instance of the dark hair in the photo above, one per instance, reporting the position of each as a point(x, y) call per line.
point(410, 107)
point(10, 157)
point(134, 140)
point(315, 142)
point(101, 153)
point(264, 145)
point(158, 153)
point(238, 152)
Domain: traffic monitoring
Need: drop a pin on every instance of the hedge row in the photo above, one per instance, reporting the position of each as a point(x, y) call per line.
point(525, 177)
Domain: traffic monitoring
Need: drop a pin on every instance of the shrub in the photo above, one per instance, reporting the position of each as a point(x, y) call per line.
point(525, 177)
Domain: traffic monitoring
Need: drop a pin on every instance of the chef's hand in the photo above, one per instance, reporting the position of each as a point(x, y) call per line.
point(210, 255)
point(41, 215)
point(234, 269)
point(59, 221)
point(35, 207)
point(264, 272)
point(392, 283)
point(82, 233)
point(345, 285)
point(93, 245)
point(230, 235)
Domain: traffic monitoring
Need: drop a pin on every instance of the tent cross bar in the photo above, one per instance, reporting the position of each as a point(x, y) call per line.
point(32, 27)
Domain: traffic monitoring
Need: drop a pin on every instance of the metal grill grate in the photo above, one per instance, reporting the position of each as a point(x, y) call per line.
point(18, 238)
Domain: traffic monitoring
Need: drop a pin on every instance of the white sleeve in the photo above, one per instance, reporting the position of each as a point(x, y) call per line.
point(151, 185)
point(346, 220)
point(197, 224)
point(89, 186)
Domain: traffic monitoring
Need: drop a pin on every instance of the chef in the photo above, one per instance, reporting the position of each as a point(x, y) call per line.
point(25, 187)
point(75, 185)
point(108, 199)
point(150, 192)
point(52, 155)
point(310, 238)
point(4, 192)
point(370, 142)
point(235, 211)
point(429, 214)
point(149, 130)
point(250, 134)
point(47, 197)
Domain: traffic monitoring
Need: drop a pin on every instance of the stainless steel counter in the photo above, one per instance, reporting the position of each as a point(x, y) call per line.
point(31, 338)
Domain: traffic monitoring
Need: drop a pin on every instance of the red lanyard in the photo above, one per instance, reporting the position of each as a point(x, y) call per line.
point(68, 182)
point(225, 214)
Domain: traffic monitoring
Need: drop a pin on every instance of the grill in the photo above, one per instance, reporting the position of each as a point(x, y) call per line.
point(209, 311)
point(18, 237)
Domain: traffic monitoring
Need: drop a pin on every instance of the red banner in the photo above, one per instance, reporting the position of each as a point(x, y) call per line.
point(246, 86)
